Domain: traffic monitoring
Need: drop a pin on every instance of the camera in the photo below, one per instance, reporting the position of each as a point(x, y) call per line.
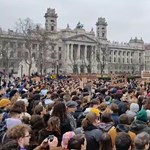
point(50, 137)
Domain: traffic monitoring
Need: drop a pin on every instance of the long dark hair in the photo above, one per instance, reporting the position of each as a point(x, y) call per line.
point(53, 124)
point(60, 111)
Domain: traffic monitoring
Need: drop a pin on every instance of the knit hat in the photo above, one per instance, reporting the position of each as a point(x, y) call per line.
point(134, 107)
point(96, 111)
point(4, 102)
point(65, 139)
point(142, 115)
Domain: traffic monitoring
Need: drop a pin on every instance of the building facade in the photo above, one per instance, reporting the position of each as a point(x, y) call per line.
point(73, 50)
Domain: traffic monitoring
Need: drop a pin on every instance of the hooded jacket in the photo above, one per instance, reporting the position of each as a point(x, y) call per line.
point(139, 126)
point(120, 128)
point(105, 127)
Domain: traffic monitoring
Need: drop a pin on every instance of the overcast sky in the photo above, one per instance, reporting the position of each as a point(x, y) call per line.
point(125, 18)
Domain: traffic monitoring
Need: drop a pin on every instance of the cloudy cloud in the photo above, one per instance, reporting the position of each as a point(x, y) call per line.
point(125, 18)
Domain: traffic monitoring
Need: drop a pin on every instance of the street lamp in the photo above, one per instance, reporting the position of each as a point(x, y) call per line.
point(41, 64)
point(57, 68)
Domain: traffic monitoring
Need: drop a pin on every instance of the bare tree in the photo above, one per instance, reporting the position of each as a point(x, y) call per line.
point(32, 34)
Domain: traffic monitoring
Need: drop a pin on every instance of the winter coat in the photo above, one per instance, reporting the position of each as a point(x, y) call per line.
point(120, 128)
point(105, 127)
point(139, 126)
point(93, 137)
point(115, 118)
point(72, 121)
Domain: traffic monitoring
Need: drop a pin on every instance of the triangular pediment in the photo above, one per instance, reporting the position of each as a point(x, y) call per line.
point(80, 38)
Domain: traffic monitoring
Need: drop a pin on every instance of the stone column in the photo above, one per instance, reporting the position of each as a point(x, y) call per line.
point(71, 52)
point(67, 52)
point(78, 52)
point(85, 53)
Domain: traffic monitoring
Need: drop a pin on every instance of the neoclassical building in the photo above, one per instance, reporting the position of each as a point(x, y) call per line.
point(74, 50)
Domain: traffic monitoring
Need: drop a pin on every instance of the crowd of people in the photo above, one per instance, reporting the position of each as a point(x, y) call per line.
point(65, 114)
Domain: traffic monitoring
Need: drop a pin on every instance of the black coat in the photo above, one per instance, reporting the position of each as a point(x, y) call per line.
point(93, 137)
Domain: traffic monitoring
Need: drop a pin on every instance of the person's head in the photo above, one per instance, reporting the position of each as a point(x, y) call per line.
point(39, 110)
point(134, 107)
point(123, 141)
point(94, 103)
point(53, 124)
point(124, 119)
point(76, 142)
point(142, 115)
point(114, 107)
point(106, 142)
point(90, 119)
point(21, 133)
point(10, 145)
point(71, 106)
point(37, 122)
point(20, 104)
point(60, 111)
point(142, 141)
point(4, 103)
point(15, 113)
point(66, 97)
point(106, 117)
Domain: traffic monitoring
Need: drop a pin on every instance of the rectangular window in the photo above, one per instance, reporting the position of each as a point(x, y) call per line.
point(114, 59)
point(59, 56)
point(59, 49)
point(52, 28)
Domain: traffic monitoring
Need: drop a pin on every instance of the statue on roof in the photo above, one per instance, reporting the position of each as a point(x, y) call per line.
point(79, 25)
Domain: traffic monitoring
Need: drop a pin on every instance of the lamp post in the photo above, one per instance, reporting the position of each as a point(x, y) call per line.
point(41, 64)
point(57, 68)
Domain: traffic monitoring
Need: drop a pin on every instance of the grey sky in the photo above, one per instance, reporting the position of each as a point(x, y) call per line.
point(125, 18)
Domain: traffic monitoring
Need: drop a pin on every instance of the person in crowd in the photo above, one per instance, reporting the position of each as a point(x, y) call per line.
point(123, 141)
point(39, 110)
point(77, 142)
point(114, 115)
point(142, 141)
point(106, 143)
point(5, 105)
point(20, 133)
point(71, 108)
point(121, 127)
point(92, 133)
point(140, 124)
point(106, 123)
point(60, 111)
point(134, 108)
point(37, 124)
point(53, 128)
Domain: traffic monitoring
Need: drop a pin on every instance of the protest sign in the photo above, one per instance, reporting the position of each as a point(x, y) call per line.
point(118, 80)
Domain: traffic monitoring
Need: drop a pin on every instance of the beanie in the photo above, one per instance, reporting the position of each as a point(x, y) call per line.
point(142, 115)
point(4, 102)
point(96, 111)
point(134, 107)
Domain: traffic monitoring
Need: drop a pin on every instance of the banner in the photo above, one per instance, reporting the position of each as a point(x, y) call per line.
point(118, 80)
